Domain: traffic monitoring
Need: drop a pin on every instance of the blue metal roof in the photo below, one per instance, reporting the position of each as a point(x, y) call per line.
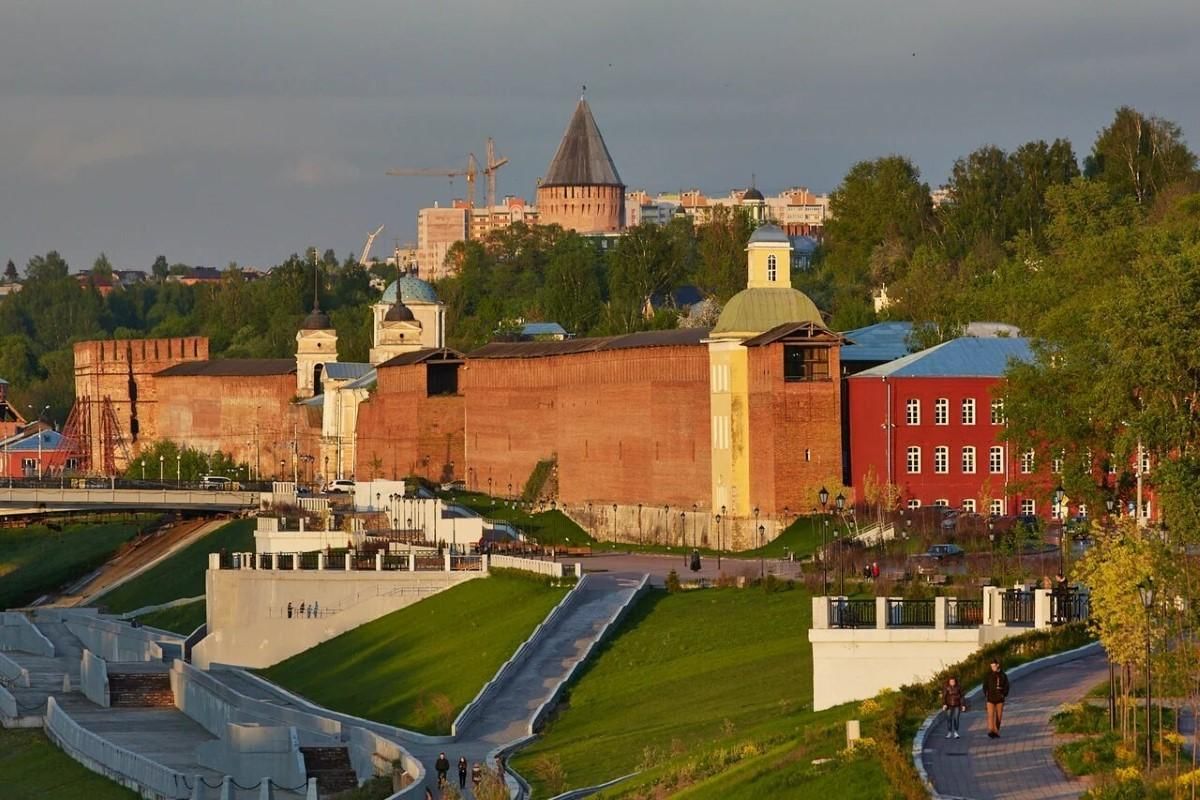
point(967, 357)
point(543, 329)
point(51, 440)
point(346, 370)
point(883, 341)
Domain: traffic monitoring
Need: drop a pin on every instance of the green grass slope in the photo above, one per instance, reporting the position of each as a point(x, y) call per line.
point(181, 575)
point(36, 560)
point(31, 768)
point(181, 619)
point(419, 666)
point(695, 684)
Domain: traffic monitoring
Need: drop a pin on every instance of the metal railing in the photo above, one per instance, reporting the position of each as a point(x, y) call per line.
point(962, 613)
point(910, 613)
point(1016, 607)
point(1069, 607)
point(845, 613)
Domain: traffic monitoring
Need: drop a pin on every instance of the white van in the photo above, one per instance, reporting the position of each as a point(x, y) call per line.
point(218, 483)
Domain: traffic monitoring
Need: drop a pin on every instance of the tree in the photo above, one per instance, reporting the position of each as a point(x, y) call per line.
point(721, 253)
point(102, 267)
point(646, 262)
point(571, 295)
point(1140, 156)
point(161, 269)
point(10, 272)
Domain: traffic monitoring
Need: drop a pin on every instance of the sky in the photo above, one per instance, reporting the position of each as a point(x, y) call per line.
point(223, 131)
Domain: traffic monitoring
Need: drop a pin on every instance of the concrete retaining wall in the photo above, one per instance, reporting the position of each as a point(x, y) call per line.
point(116, 641)
point(18, 633)
point(546, 707)
point(247, 609)
point(93, 676)
point(137, 612)
point(249, 753)
point(554, 569)
point(9, 713)
point(518, 658)
point(372, 754)
point(13, 673)
point(144, 776)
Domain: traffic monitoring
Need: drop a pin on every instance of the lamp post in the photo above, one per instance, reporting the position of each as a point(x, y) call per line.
point(489, 486)
point(160, 468)
point(695, 514)
point(1110, 504)
point(1059, 494)
point(840, 503)
point(992, 539)
point(282, 465)
point(614, 522)
point(718, 521)
point(1146, 593)
point(178, 469)
point(683, 535)
point(762, 563)
point(143, 468)
point(823, 496)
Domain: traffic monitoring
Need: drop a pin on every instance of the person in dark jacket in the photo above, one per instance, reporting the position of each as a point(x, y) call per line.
point(953, 704)
point(442, 765)
point(476, 775)
point(462, 772)
point(995, 691)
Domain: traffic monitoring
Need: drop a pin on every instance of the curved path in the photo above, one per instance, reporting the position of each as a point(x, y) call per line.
point(1020, 764)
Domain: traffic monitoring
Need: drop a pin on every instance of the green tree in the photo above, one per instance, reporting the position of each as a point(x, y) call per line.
point(10, 272)
point(571, 295)
point(161, 269)
point(1140, 156)
point(647, 261)
point(720, 247)
point(102, 267)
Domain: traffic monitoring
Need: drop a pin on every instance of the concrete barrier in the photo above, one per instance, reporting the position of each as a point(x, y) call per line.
point(18, 633)
point(13, 673)
point(518, 658)
point(8, 708)
point(372, 754)
point(93, 678)
point(554, 569)
point(116, 641)
point(148, 778)
point(250, 753)
point(613, 621)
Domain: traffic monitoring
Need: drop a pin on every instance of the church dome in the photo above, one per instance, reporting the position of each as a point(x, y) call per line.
point(769, 234)
point(758, 310)
point(318, 320)
point(409, 288)
point(752, 194)
point(399, 313)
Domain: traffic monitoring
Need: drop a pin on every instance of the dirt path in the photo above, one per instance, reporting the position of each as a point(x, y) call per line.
point(141, 553)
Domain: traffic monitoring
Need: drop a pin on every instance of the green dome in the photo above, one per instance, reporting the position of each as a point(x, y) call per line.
point(755, 311)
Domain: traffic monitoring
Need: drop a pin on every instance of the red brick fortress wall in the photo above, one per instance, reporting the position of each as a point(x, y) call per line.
point(586, 209)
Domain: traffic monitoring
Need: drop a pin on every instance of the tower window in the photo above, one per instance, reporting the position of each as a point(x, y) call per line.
point(771, 271)
point(805, 363)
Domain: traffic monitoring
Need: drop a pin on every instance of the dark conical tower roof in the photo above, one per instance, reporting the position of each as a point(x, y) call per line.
point(582, 158)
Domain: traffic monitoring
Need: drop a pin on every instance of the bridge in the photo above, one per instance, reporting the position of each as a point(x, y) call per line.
point(25, 500)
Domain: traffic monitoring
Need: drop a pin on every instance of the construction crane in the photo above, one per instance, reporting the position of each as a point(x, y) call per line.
point(470, 173)
point(493, 166)
point(367, 247)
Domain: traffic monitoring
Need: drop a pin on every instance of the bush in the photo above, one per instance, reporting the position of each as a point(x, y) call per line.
point(673, 584)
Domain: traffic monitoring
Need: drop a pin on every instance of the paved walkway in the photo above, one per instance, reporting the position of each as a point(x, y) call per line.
point(1019, 765)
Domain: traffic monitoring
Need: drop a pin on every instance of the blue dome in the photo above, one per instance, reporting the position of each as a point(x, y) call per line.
point(411, 288)
point(772, 234)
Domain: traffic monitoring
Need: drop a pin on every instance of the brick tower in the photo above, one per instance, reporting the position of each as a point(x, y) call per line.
point(582, 190)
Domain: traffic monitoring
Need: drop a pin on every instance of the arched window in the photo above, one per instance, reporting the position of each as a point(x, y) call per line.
point(771, 271)
point(318, 372)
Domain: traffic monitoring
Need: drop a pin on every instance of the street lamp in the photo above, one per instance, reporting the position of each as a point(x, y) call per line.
point(823, 496)
point(762, 563)
point(178, 470)
point(160, 468)
point(683, 535)
point(614, 522)
point(1059, 494)
point(1146, 593)
point(992, 539)
point(143, 469)
point(695, 514)
point(840, 504)
point(721, 537)
point(718, 521)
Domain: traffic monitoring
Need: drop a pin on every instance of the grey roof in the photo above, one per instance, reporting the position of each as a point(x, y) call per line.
point(679, 337)
point(346, 370)
point(232, 367)
point(883, 341)
point(317, 320)
point(441, 354)
point(543, 329)
point(752, 194)
point(398, 313)
point(967, 357)
point(769, 233)
point(367, 381)
point(582, 158)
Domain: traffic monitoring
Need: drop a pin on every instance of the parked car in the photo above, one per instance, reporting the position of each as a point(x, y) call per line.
point(941, 552)
point(340, 486)
point(454, 486)
point(217, 483)
point(950, 521)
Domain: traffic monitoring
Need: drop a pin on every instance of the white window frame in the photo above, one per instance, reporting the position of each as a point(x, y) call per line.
point(997, 507)
point(1028, 506)
point(968, 411)
point(941, 411)
point(998, 411)
point(968, 505)
point(1056, 464)
point(912, 460)
point(941, 460)
point(772, 268)
point(969, 462)
point(912, 411)
point(913, 504)
point(1027, 462)
point(996, 459)
point(941, 502)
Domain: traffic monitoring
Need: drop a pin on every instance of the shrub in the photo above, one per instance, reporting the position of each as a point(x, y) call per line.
point(549, 770)
point(673, 584)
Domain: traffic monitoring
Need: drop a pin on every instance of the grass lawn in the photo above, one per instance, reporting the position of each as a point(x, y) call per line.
point(419, 666)
point(36, 560)
point(181, 575)
point(695, 682)
point(32, 768)
point(178, 619)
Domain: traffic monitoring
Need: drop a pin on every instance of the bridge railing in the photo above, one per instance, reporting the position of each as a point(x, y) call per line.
point(1008, 608)
point(352, 561)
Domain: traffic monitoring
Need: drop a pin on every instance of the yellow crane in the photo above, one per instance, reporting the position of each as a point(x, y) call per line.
point(470, 172)
point(367, 248)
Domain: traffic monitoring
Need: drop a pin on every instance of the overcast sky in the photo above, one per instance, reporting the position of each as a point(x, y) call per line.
point(244, 131)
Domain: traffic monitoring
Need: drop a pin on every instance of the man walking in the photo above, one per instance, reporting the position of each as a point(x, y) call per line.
point(442, 765)
point(462, 772)
point(995, 691)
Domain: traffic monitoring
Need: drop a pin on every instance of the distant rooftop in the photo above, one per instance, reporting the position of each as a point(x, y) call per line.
point(232, 367)
point(346, 370)
point(679, 337)
point(883, 341)
point(966, 357)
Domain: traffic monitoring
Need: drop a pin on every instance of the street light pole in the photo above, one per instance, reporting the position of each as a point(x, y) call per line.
point(718, 520)
point(1059, 494)
point(840, 503)
point(823, 497)
point(762, 563)
point(1146, 592)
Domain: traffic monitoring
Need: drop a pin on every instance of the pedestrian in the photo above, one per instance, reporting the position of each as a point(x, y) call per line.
point(875, 570)
point(866, 571)
point(442, 765)
point(953, 704)
point(428, 793)
point(995, 691)
point(462, 772)
point(289, 609)
point(302, 608)
point(316, 607)
point(476, 775)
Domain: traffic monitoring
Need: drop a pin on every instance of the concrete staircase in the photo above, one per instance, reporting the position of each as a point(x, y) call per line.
point(331, 767)
point(140, 690)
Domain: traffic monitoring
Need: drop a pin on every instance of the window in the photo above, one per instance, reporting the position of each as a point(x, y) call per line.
point(1056, 464)
point(912, 411)
point(914, 460)
point(1028, 507)
point(771, 272)
point(941, 460)
point(720, 433)
point(801, 364)
point(941, 503)
point(941, 411)
point(968, 460)
point(997, 508)
point(968, 411)
point(1027, 462)
point(1145, 463)
point(968, 505)
point(998, 412)
point(914, 504)
point(996, 460)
